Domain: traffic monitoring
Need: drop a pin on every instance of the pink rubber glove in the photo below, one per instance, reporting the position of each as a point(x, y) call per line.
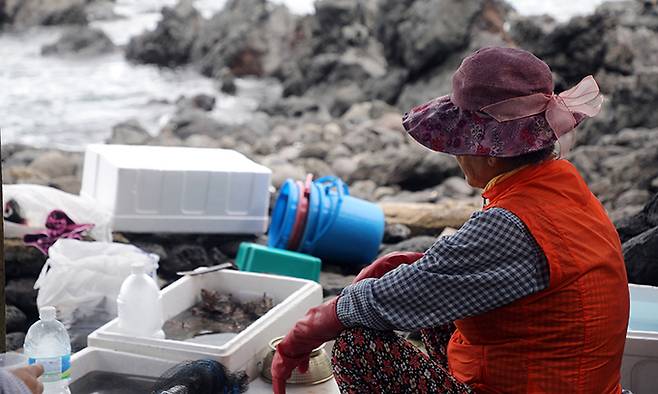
point(384, 264)
point(320, 325)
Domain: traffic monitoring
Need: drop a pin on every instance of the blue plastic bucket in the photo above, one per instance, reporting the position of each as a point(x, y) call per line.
point(341, 228)
point(283, 215)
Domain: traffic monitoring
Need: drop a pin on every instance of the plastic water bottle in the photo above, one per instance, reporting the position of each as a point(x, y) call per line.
point(47, 343)
point(139, 305)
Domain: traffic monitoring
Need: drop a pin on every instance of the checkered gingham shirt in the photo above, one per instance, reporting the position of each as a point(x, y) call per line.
point(490, 262)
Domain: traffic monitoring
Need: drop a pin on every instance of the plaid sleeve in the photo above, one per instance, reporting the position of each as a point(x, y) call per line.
point(491, 261)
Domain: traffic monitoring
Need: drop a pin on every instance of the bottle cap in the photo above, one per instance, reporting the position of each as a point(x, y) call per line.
point(47, 313)
point(137, 268)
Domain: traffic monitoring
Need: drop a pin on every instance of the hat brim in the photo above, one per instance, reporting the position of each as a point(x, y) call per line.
point(442, 126)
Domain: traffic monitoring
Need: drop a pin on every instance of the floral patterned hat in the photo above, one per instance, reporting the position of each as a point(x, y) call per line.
point(502, 104)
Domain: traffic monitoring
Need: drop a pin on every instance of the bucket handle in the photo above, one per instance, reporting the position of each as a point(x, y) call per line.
point(342, 190)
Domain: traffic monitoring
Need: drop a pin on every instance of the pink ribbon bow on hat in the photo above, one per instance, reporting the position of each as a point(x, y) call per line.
point(583, 98)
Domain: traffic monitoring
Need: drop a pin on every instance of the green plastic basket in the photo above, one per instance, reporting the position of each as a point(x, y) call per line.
point(258, 258)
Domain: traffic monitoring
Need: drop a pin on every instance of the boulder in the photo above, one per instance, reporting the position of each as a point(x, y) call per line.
point(170, 44)
point(82, 41)
point(129, 132)
point(334, 282)
point(249, 37)
point(15, 319)
point(430, 218)
point(418, 34)
point(641, 258)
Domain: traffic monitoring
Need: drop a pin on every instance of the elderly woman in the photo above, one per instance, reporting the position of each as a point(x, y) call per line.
point(529, 296)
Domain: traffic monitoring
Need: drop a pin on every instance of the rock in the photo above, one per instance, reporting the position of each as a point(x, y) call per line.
point(455, 187)
point(190, 122)
point(394, 233)
point(364, 190)
point(293, 107)
point(203, 102)
point(129, 132)
point(418, 34)
point(15, 341)
point(423, 196)
point(628, 226)
point(25, 13)
point(22, 261)
point(15, 319)
point(82, 41)
point(416, 244)
point(24, 175)
point(632, 197)
point(21, 293)
point(68, 183)
point(202, 141)
point(184, 257)
point(55, 164)
point(249, 37)
point(333, 283)
point(170, 44)
point(641, 258)
point(318, 150)
point(430, 218)
point(344, 167)
point(283, 171)
point(316, 167)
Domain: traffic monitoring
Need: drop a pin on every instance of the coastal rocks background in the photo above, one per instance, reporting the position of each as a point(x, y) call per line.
point(347, 74)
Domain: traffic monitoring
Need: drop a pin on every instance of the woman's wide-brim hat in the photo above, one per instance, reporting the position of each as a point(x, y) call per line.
point(502, 105)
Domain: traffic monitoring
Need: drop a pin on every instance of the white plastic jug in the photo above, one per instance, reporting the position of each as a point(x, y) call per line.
point(139, 305)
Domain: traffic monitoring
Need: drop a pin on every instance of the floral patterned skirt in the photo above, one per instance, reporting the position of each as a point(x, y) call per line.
point(370, 361)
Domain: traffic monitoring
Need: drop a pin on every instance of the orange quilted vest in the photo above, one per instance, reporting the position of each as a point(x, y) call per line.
point(568, 338)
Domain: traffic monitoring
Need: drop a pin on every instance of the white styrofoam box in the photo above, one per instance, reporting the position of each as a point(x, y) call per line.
point(292, 298)
point(93, 359)
point(640, 362)
point(174, 189)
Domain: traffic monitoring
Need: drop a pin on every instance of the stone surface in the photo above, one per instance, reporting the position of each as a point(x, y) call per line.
point(82, 41)
point(430, 218)
point(641, 257)
point(334, 282)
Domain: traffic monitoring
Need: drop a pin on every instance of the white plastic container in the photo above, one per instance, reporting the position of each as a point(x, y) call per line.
point(292, 298)
point(172, 189)
point(139, 305)
point(94, 359)
point(640, 362)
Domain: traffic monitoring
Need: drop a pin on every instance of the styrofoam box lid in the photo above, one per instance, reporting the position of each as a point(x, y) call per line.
point(167, 158)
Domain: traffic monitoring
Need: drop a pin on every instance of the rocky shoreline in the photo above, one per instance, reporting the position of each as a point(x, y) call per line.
point(348, 73)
